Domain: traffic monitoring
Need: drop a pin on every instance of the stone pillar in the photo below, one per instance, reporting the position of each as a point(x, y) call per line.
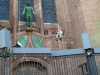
point(13, 20)
point(71, 19)
point(63, 18)
point(39, 15)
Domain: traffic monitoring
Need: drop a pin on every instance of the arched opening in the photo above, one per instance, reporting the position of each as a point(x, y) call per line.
point(28, 66)
point(31, 68)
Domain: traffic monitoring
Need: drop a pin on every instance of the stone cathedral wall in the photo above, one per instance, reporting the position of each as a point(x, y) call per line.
point(91, 12)
point(74, 16)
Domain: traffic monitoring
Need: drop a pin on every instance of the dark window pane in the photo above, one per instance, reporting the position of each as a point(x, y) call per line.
point(21, 5)
point(4, 9)
point(49, 11)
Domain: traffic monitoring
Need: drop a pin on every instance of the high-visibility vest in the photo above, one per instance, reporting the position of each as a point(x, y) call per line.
point(28, 11)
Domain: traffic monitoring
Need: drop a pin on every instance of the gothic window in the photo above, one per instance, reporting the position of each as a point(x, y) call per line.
point(49, 11)
point(21, 5)
point(4, 9)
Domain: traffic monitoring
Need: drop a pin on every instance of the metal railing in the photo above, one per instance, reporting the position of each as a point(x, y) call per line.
point(33, 62)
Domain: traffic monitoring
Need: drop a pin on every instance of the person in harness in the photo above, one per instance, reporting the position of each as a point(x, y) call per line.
point(59, 33)
point(28, 13)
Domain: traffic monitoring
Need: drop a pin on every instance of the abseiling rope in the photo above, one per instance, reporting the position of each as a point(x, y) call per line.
point(18, 15)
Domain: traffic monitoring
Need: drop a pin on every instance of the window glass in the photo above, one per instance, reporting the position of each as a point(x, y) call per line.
point(49, 11)
point(4, 9)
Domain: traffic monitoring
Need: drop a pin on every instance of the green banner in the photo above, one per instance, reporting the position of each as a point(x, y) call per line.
point(23, 40)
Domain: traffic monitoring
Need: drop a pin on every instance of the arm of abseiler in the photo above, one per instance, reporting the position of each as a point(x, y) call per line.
point(23, 11)
point(33, 12)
